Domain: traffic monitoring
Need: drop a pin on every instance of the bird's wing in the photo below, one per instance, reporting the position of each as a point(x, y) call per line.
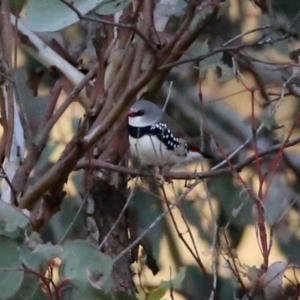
point(202, 143)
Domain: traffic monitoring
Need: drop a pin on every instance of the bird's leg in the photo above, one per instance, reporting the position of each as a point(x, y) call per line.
point(163, 171)
point(148, 169)
point(156, 173)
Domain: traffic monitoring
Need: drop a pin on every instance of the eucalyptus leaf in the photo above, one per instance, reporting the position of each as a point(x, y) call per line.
point(268, 120)
point(235, 203)
point(204, 11)
point(45, 15)
point(165, 9)
point(30, 289)
point(66, 217)
point(109, 7)
point(273, 280)
point(224, 73)
point(278, 199)
point(195, 50)
point(86, 267)
point(156, 294)
point(148, 208)
point(37, 259)
point(12, 221)
point(175, 283)
point(11, 269)
point(252, 274)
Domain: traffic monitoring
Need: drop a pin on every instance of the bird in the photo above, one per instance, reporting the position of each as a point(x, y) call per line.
point(154, 142)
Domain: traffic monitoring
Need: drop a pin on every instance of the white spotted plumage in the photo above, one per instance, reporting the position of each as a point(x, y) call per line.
point(152, 142)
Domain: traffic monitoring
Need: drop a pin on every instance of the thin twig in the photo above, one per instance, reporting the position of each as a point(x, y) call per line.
point(154, 223)
point(141, 236)
point(235, 49)
point(121, 25)
point(183, 175)
point(180, 235)
point(245, 33)
point(168, 96)
point(38, 144)
point(48, 58)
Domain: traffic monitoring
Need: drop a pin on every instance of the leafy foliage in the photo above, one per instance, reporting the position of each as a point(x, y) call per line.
point(54, 15)
point(86, 61)
point(13, 222)
point(91, 270)
point(11, 272)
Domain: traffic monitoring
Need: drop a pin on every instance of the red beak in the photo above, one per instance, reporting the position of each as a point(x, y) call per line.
point(131, 113)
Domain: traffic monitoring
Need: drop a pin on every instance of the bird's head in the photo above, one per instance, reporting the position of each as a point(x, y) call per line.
point(144, 113)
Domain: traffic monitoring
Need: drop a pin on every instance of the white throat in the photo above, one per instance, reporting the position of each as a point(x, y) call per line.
point(139, 121)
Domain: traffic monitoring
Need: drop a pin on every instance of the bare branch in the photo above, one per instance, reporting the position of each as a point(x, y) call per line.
point(106, 22)
point(47, 57)
point(184, 175)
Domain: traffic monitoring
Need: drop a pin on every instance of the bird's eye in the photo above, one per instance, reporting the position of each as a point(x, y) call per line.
point(139, 113)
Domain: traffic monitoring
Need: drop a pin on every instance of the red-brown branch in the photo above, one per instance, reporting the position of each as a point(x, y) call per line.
point(95, 164)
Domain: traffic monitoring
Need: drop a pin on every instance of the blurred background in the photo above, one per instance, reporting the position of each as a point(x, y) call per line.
point(231, 95)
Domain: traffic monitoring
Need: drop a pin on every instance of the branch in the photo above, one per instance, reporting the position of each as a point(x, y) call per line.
point(106, 22)
point(185, 35)
point(101, 165)
point(140, 47)
point(13, 146)
point(76, 149)
point(32, 44)
point(38, 144)
point(217, 50)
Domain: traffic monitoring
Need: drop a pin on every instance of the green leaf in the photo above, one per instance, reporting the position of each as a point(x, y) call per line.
point(11, 270)
point(164, 9)
point(191, 212)
point(30, 289)
point(235, 203)
point(61, 221)
point(277, 200)
point(195, 50)
point(37, 259)
point(156, 294)
point(87, 268)
point(148, 208)
point(224, 73)
point(195, 284)
point(268, 120)
point(45, 15)
point(175, 283)
point(12, 221)
point(109, 7)
point(169, 8)
point(252, 274)
point(206, 10)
